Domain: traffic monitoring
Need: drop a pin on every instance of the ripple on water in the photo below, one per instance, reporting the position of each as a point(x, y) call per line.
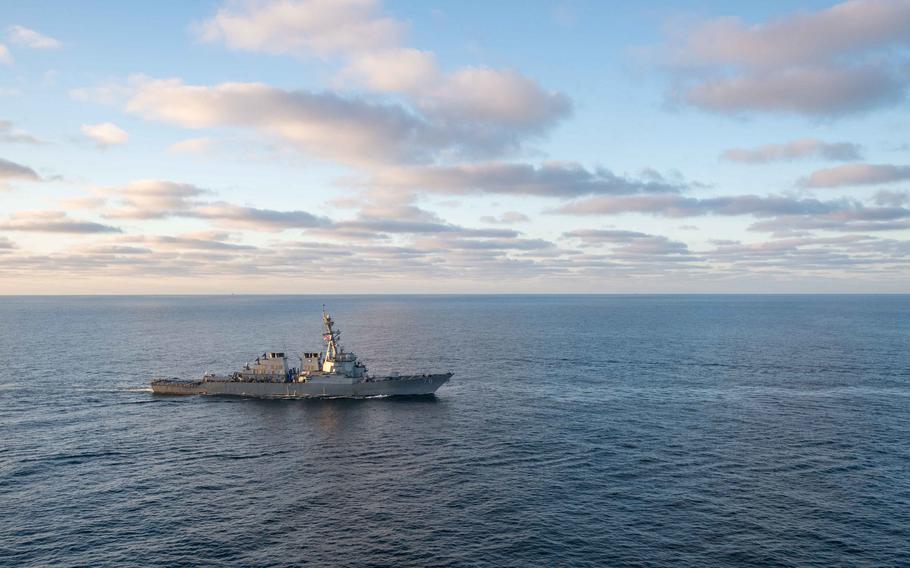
point(578, 431)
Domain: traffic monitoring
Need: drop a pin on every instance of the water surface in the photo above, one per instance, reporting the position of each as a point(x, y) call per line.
point(577, 431)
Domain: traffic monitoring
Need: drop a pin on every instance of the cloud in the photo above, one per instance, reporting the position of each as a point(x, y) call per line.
point(380, 222)
point(794, 255)
point(477, 94)
point(10, 171)
point(254, 218)
point(303, 28)
point(597, 236)
point(6, 245)
point(160, 199)
point(856, 174)
point(679, 206)
point(324, 124)
point(394, 69)
point(378, 219)
point(821, 90)
point(785, 215)
point(20, 35)
point(371, 49)
point(350, 130)
point(550, 179)
point(450, 255)
point(633, 245)
point(82, 202)
point(192, 146)
point(6, 58)
point(796, 149)
point(502, 245)
point(114, 250)
point(52, 222)
point(507, 218)
point(8, 133)
point(827, 62)
point(484, 261)
point(151, 199)
point(413, 111)
point(803, 37)
point(189, 241)
point(887, 198)
point(368, 228)
point(105, 134)
point(846, 222)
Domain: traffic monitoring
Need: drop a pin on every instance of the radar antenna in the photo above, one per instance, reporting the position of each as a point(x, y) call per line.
point(331, 337)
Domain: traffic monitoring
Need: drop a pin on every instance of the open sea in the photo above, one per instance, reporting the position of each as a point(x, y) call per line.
point(577, 431)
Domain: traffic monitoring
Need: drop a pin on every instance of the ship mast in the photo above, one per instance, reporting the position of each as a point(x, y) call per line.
point(331, 337)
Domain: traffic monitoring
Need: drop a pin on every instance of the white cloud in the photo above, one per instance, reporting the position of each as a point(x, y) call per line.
point(784, 214)
point(105, 134)
point(351, 130)
point(324, 124)
point(793, 150)
point(192, 146)
point(237, 216)
point(394, 70)
point(478, 94)
point(817, 90)
point(549, 179)
point(151, 199)
point(827, 62)
point(20, 35)
point(634, 245)
point(6, 57)
point(802, 37)
point(856, 174)
point(370, 45)
point(303, 28)
point(160, 199)
point(438, 116)
point(504, 96)
point(44, 221)
point(683, 206)
point(82, 202)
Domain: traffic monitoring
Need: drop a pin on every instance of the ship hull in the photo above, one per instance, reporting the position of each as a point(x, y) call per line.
point(413, 385)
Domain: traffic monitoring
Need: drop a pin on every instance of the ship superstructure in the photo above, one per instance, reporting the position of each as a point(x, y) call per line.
point(335, 373)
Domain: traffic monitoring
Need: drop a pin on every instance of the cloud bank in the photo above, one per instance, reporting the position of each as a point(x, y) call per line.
point(550, 179)
point(484, 103)
point(835, 61)
point(347, 129)
point(795, 150)
point(52, 222)
point(856, 174)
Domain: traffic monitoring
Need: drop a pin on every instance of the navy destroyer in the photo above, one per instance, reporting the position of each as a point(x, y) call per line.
point(337, 373)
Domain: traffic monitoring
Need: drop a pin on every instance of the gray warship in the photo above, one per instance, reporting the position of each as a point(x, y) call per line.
point(336, 374)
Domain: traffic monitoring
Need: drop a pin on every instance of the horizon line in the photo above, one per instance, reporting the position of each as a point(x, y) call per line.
point(443, 294)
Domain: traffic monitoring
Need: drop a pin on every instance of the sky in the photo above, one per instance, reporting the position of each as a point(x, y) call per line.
point(362, 146)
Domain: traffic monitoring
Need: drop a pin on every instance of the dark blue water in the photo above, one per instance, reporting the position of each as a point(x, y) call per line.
point(577, 431)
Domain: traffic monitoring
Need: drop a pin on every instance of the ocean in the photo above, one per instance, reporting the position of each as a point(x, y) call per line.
point(577, 431)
